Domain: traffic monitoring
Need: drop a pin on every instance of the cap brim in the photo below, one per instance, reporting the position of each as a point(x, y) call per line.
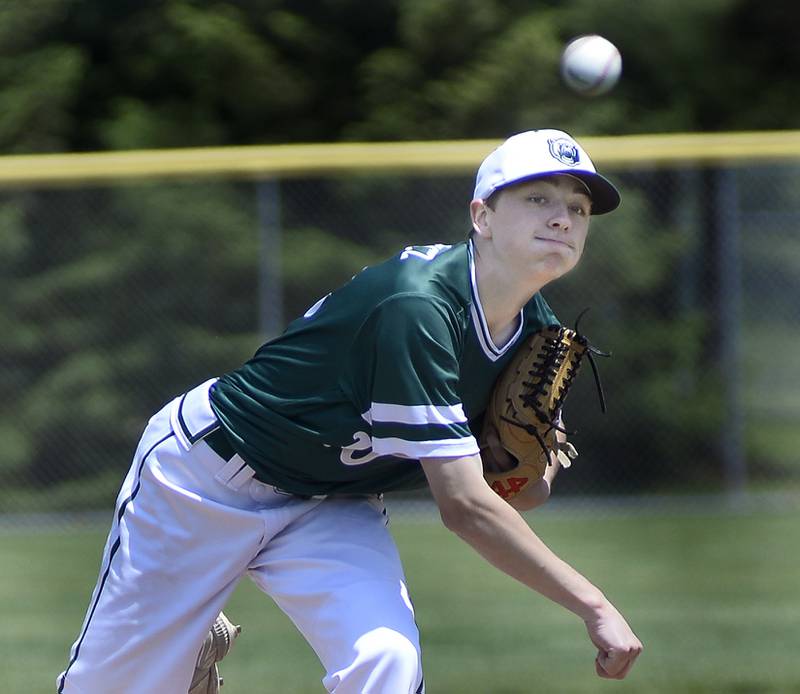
point(605, 196)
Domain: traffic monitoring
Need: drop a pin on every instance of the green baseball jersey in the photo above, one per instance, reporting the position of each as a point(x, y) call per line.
point(394, 366)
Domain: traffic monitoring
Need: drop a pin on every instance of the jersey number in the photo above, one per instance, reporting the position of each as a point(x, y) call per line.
point(424, 252)
point(359, 452)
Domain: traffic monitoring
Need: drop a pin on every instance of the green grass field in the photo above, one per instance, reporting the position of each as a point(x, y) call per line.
point(714, 596)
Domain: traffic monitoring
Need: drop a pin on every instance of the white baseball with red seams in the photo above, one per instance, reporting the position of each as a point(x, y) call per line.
point(591, 65)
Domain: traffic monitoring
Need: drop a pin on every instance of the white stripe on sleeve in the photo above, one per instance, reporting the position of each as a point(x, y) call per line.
point(441, 448)
point(417, 414)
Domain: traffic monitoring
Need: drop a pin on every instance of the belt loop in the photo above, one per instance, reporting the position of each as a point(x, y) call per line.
point(235, 473)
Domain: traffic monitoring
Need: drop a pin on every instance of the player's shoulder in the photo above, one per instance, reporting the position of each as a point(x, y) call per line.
point(432, 257)
point(436, 269)
point(427, 284)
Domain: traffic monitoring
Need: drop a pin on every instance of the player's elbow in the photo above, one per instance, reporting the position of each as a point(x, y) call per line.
point(464, 516)
point(452, 520)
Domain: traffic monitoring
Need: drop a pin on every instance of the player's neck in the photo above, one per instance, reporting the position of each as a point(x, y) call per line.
point(502, 318)
point(502, 299)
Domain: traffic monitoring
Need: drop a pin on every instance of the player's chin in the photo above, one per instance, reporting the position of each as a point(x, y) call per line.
point(559, 264)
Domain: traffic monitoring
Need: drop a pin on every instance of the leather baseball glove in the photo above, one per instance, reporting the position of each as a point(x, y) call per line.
point(524, 412)
point(218, 642)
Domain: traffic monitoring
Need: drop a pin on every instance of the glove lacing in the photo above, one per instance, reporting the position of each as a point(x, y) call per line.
point(554, 352)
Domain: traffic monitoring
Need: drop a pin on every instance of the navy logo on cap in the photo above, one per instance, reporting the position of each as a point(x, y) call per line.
point(566, 151)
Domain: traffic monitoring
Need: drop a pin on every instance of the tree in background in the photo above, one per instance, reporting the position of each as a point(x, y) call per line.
point(91, 342)
point(78, 75)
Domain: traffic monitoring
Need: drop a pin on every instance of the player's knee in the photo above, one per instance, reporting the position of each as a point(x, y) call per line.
point(399, 657)
point(386, 661)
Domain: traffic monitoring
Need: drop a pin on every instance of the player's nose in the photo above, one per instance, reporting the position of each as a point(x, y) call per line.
point(559, 219)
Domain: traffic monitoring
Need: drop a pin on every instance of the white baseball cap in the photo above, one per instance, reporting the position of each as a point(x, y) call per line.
point(538, 153)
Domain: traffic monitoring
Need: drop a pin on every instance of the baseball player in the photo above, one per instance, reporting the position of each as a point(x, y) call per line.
point(276, 469)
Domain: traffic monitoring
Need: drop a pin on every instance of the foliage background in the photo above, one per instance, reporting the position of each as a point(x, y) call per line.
point(84, 75)
point(119, 296)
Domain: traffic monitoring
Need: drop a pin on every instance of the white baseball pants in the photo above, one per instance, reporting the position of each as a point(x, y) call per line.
point(183, 535)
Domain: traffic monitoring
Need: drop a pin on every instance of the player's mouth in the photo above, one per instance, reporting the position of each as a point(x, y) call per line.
point(560, 242)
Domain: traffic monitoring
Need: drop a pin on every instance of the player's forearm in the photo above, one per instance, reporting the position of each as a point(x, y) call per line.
point(476, 514)
point(503, 538)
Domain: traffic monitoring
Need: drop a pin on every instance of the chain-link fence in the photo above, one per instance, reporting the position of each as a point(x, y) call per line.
point(120, 295)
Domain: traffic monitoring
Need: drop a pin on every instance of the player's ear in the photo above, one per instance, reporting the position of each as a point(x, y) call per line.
point(479, 213)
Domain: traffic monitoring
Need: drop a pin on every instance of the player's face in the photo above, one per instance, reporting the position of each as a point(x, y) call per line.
point(541, 225)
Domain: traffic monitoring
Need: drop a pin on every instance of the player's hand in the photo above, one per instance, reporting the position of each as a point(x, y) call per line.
point(617, 645)
point(496, 458)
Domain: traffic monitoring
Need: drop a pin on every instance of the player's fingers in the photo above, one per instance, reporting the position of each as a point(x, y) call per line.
point(615, 664)
point(599, 668)
point(624, 672)
point(495, 457)
point(606, 667)
point(490, 436)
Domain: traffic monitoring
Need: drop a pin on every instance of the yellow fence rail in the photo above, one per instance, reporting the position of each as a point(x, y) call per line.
point(327, 159)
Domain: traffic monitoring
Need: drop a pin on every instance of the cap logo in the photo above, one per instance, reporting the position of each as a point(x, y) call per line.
point(566, 151)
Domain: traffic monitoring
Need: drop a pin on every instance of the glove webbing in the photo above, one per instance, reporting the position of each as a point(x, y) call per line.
point(553, 353)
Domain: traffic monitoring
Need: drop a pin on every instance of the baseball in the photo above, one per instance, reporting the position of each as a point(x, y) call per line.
point(591, 65)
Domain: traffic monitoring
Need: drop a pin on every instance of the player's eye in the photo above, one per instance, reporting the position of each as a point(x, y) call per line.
point(537, 199)
point(581, 210)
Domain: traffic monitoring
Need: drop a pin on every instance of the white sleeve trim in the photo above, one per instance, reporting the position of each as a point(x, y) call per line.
point(441, 448)
point(416, 414)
